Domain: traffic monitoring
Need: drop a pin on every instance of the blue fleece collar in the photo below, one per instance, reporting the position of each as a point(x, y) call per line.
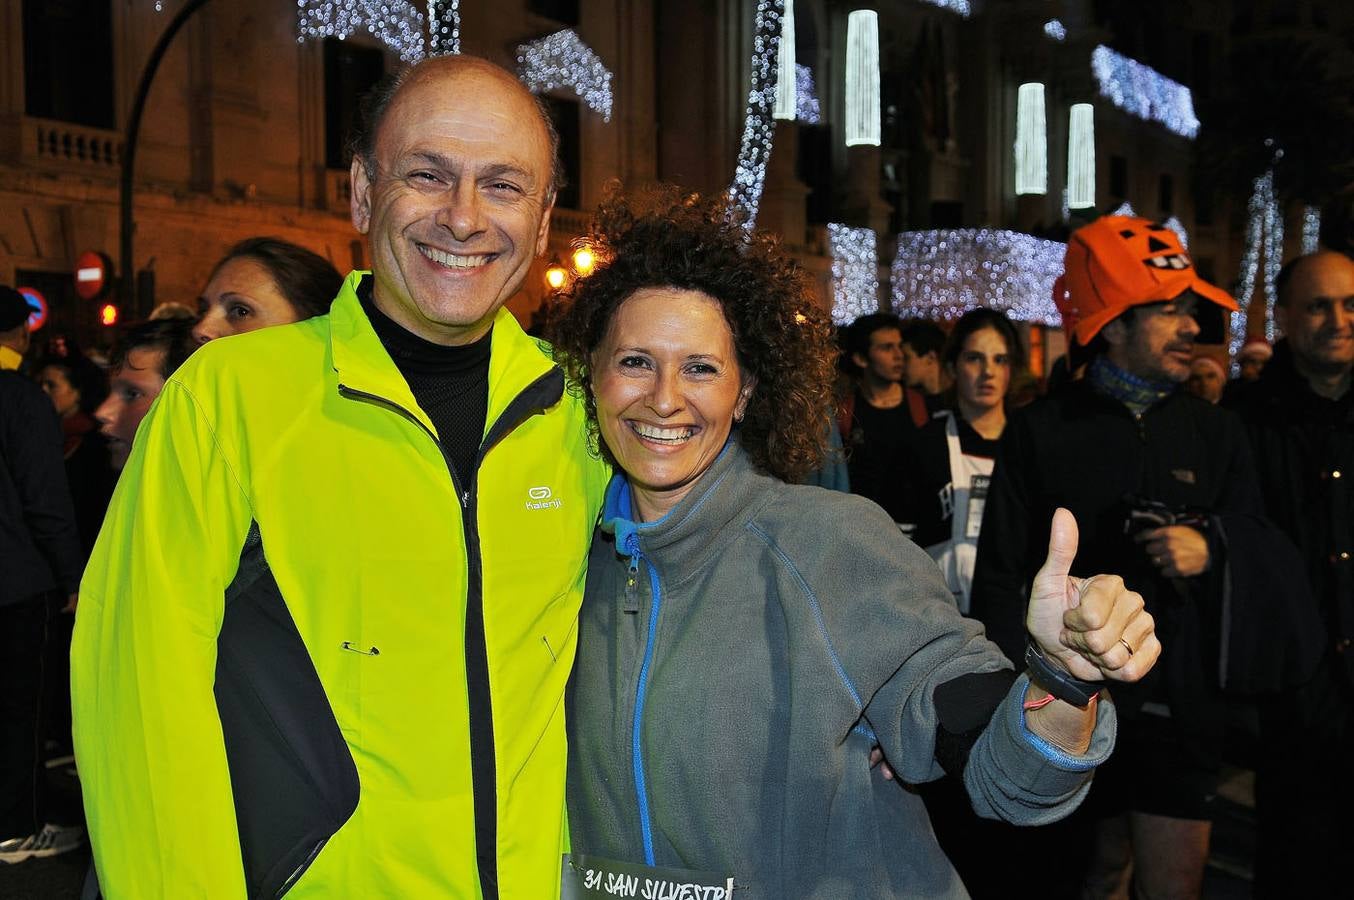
point(618, 516)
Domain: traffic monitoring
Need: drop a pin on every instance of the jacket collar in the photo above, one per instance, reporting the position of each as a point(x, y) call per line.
point(361, 362)
point(723, 495)
point(1282, 381)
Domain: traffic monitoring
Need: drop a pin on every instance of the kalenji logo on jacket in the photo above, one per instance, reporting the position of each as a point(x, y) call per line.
point(543, 498)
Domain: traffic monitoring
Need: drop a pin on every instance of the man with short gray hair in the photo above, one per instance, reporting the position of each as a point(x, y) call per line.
point(325, 633)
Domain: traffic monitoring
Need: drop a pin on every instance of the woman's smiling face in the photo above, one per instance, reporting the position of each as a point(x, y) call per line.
point(668, 389)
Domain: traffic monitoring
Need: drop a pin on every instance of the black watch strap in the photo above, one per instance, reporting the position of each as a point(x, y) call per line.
point(1054, 678)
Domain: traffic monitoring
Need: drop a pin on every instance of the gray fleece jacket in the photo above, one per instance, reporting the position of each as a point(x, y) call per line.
point(737, 661)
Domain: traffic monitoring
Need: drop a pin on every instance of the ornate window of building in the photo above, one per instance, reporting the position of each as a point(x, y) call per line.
point(68, 61)
point(350, 70)
point(566, 113)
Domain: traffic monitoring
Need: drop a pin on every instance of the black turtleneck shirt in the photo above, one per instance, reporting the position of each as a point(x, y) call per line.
point(451, 384)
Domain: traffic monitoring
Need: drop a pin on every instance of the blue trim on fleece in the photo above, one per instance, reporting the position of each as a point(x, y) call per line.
point(1058, 757)
point(636, 747)
point(618, 518)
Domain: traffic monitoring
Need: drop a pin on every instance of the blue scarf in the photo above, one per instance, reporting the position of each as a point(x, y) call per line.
point(1138, 394)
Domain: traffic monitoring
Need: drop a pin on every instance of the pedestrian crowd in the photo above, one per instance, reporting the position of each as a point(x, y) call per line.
point(382, 596)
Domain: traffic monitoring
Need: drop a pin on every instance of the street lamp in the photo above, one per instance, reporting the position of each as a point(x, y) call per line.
point(584, 261)
point(556, 276)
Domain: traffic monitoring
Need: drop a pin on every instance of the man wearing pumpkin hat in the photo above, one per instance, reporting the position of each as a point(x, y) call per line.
point(1164, 489)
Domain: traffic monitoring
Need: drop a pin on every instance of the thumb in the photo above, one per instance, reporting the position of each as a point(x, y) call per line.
point(1062, 549)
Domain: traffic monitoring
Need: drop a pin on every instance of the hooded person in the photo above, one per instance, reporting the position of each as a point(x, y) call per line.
point(1166, 487)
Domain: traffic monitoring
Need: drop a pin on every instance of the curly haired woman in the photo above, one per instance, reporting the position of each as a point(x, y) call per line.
point(745, 643)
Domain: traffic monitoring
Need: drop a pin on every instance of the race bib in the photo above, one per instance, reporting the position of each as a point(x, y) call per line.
point(590, 877)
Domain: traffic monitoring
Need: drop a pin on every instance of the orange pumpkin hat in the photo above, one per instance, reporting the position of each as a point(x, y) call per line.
point(1117, 262)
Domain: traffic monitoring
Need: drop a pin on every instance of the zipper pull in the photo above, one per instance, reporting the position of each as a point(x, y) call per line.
point(465, 499)
point(632, 586)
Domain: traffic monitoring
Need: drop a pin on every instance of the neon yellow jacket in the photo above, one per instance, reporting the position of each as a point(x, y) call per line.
point(305, 661)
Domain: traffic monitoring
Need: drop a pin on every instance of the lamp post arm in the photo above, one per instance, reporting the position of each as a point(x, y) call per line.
point(126, 274)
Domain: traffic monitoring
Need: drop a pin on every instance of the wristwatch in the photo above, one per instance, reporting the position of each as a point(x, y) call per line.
point(1055, 679)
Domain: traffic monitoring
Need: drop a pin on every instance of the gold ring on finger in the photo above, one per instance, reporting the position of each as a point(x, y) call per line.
point(1127, 646)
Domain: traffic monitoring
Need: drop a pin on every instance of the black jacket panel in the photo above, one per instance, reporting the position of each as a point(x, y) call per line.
point(39, 544)
point(1304, 451)
point(291, 773)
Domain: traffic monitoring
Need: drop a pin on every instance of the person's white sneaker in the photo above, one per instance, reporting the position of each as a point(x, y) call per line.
point(50, 841)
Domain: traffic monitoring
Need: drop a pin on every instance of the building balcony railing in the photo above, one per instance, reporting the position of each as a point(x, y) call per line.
point(338, 190)
point(47, 143)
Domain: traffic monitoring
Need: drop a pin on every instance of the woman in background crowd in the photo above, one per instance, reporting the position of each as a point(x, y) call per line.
point(76, 386)
point(264, 281)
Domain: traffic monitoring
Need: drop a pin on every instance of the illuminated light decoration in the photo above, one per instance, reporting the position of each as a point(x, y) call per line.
point(855, 272)
point(745, 192)
point(1124, 209)
point(562, 60)
point(444, 32)
point(962, 7)
point(1081, 157)
point(584, 261)
point(1055, 29)
point(1144, 92)
point(944, 274)
point(862, 78)
point(1264, 234)
point(1031, 147)
point(1273, 255)
point(108, 315)
point(1174, 224)
point(787, 81)
point(398, 25)
point(556, 276)
point(1311, 229)
point(806, 96)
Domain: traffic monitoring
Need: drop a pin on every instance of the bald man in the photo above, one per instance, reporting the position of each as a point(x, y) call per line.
point(1300, 415)
point(324, 637)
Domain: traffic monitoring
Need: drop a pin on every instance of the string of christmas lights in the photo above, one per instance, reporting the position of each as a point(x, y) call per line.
point(1055, 29)
point(962, 7)
point(1174, 224)
point(1031, 146)
point(562, 60)
point(1273, 252)
point(1264, 234)
point(444, 37)
point(1311, 229)
point(1144, 92)
point(398, 25)
point(855, 272)
point(806, 96)
point(944, 274)
point(758, 126)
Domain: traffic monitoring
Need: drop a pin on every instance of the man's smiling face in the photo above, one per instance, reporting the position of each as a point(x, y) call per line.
point(456, 201)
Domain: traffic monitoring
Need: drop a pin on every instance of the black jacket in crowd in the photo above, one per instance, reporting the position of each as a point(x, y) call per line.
point(1304, 450)
point(1089, 453)
point(39, 545)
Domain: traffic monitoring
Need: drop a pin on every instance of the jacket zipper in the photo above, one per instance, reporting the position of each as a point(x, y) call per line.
point(535, 397)
point(637, 729)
